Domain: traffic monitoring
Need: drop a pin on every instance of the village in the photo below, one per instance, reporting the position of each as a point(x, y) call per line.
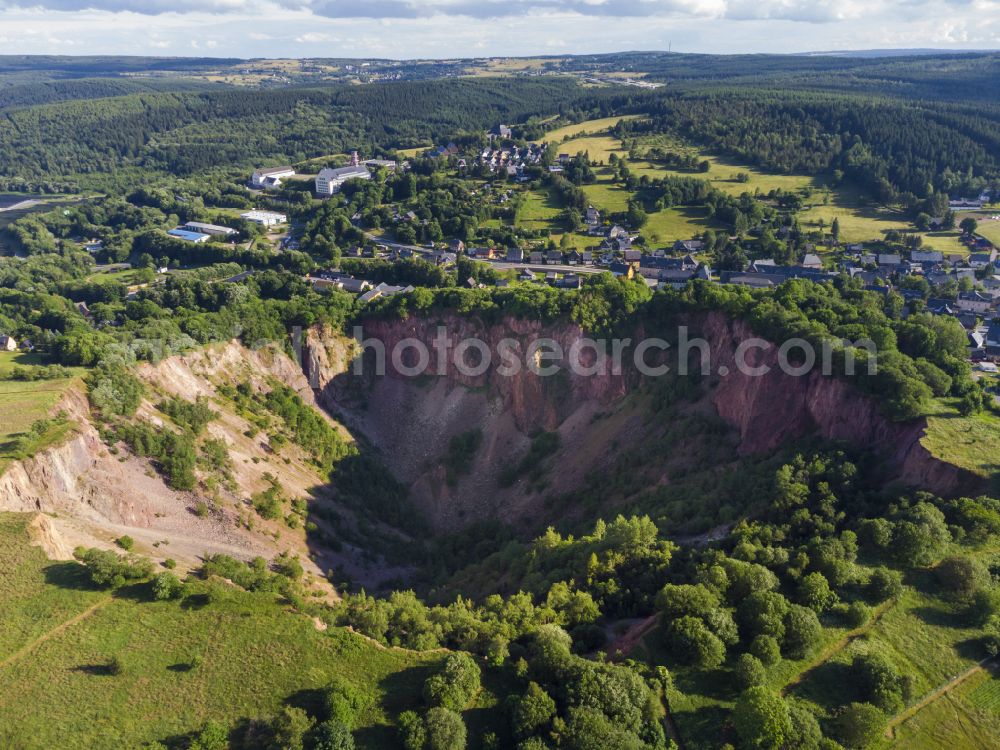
point(966, 287)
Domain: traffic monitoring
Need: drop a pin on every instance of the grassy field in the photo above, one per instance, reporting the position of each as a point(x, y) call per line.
point(219, 653)
point(601, 125)
point(598, 147)
point(22, 403)
point(972, 442)
point(964, 719)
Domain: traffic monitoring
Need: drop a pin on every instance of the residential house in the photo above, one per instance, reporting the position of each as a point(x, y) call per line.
point(927, 256)
point(569, 281)
point(271, 177)
point(526, 275)
point(688, 246)
point(593, 217)
point(981, 260)
point(811, 260)
point(993, 338)
point(633, 257)
point(554, 257)
point(8, 343)
point(889, 260)
point(974, 302)
point(618, 268)
point(536, 257)
point(456, 246)
point(330, 181)
point(515, 255)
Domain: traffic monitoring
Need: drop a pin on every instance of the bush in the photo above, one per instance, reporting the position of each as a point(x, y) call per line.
point(342, 702)
point(108, 570)
point(213, 736)
point(857, 614)
point(167, 586)
point(125, 542)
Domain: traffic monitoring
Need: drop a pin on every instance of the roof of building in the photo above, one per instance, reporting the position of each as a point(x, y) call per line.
point(210, 228)
point(274, 170)
point(183, 234)
point(343, 173)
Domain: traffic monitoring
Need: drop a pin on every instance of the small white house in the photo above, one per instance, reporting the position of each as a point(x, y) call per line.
point(329, 181)
point(8, 344)
point(264, 218)
point(270, 178)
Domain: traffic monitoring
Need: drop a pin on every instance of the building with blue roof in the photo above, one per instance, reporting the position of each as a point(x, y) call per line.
point(187, 236)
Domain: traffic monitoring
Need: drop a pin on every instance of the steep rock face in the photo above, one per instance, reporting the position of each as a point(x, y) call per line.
point(412, 419)
point(775, 407)
point(97, 493)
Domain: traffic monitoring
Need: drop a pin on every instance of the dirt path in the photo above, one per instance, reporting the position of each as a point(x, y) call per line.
point(890, 730)
point(621, 647)
point(58, 629)
point(837, 646)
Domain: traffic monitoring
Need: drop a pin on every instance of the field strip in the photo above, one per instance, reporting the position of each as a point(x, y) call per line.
point(58, 629)
point(934, 695)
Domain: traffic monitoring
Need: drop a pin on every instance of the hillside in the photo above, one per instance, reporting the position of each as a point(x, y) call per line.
point(217, 653)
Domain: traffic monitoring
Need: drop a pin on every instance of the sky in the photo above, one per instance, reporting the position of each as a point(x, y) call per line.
point(406, 29)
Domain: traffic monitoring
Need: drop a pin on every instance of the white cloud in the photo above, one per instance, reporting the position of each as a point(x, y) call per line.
point(451, 28)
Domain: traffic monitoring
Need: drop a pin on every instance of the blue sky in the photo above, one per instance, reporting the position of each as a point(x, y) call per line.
point(468, 28)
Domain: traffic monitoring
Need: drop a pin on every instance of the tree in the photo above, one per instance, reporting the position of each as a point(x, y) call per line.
point(959, 577)
point(968, 225)
point(884, 584)
point(455, 685)
point(750, 671)
point(532, 711)
point(859, 725)
point(691, 642)
point(412, 730)
point(766, 648)
point(763, 613)
point(876, 681)
point(332, 735)
point(802, 631)
point(814, 592)
point(835, 229)
point(589, 729)
point(761, 719)
point(806, 733)
point(290, 728)
point(445, 729)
